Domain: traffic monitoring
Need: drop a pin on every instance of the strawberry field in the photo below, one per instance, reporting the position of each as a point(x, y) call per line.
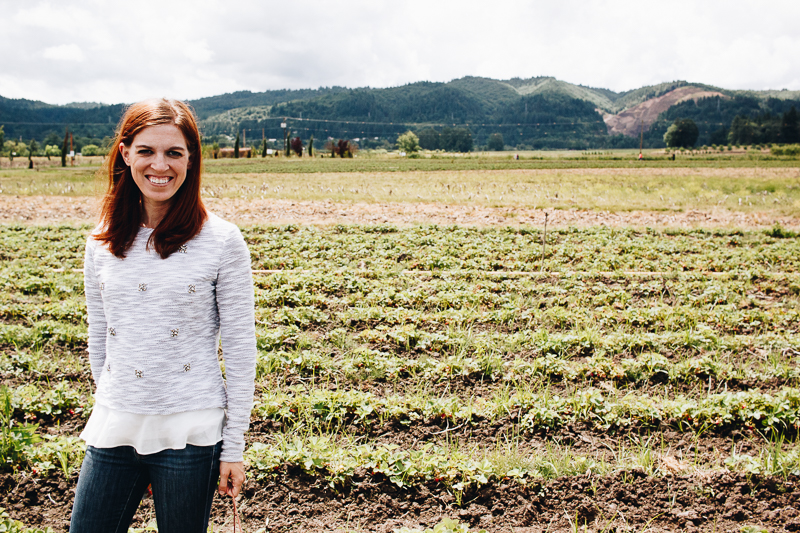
point(447, 377)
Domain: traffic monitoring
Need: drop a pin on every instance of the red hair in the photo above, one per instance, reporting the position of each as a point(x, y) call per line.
point(122, 208)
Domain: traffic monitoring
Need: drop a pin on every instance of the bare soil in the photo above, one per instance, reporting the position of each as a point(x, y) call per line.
point(71, 210)
point(291, 500)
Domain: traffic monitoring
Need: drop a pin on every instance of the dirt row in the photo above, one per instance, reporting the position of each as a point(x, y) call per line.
point(292, 500)
point(64, 209)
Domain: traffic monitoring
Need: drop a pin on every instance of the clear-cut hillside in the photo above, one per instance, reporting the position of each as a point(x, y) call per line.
point(640, 117)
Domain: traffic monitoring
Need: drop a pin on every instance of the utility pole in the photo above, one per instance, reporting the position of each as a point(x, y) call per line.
point(641, 134)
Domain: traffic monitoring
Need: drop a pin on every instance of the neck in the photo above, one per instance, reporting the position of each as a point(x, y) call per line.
point(153, 213)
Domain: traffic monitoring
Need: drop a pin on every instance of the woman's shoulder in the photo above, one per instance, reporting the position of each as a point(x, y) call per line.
point(219, 230)
point(219, 226)
point(91, 238)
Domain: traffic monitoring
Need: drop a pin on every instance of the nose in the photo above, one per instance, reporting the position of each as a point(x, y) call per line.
point(160, 162)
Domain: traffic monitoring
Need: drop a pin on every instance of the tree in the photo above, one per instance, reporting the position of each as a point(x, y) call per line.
point(91, 149)
point(428, 139)
point(32, 147)
point(236, 147)
point(297, 146)
point(742, 131)
point(682, 133)
point(2, 138)
point(456, 140)
point(215, 150)
point(52, 138)
point(719, 136)
point(311, 146)
point(64, 148)
point(790, 127)
point(264, 148)
point(342, 149)
point(408, 142)
point(496, 142)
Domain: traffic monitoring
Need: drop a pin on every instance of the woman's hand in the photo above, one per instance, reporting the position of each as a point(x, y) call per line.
point(231, 478)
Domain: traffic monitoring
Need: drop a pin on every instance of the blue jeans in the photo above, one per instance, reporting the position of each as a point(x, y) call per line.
point(113, 481)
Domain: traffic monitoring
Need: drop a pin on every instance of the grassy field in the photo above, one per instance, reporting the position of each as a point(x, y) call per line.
point(738, 184)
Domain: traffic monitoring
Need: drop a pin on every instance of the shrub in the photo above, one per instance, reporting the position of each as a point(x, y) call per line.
point(91, 149)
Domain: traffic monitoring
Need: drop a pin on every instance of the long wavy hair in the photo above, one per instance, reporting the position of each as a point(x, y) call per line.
point(122, 206)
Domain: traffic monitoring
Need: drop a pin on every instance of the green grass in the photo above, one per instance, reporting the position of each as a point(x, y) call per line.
point(679, 189)
point(744, 184)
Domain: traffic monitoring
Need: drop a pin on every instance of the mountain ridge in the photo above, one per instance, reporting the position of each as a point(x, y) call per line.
point(540, 111)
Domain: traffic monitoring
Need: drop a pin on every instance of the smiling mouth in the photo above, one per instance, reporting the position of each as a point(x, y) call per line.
point(159, 180)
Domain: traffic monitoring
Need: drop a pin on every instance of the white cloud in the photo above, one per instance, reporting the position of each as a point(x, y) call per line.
point(195, 48)
point(64, 52)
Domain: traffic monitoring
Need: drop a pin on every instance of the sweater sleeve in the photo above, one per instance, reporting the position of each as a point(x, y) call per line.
point(95, 313)
point(236, 305)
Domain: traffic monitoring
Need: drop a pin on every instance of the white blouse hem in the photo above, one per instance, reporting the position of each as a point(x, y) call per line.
point(148, 434)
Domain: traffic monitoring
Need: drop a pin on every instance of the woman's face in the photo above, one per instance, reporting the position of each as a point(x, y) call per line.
point(159, 159)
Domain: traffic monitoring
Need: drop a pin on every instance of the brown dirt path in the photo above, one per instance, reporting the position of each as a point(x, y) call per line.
point(64, 209)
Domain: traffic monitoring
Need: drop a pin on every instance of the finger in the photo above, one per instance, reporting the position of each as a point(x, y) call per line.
point(224, 480)
point(238, 481)
point(235, 482)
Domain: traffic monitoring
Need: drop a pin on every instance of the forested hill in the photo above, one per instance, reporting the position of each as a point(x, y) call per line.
point(206, 107)
point(538, 112)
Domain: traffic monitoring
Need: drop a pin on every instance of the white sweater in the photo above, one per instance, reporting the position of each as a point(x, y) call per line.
point(154, 328)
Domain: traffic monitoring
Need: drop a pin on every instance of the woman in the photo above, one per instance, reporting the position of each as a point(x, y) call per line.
point(163, 279)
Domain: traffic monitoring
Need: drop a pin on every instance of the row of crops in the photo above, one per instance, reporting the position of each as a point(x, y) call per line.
point(405, 351)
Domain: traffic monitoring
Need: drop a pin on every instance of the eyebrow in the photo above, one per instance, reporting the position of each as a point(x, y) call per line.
point(181, 148)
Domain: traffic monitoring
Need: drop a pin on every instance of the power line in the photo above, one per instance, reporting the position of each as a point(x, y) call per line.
point(398, 124)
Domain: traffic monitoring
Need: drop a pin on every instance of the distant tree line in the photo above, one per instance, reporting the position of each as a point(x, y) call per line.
point(28, 119)
point(715, 118)
point(51, 145)
point(375, 115)
point(765, 128)
point(447, 139)
point(442, 115)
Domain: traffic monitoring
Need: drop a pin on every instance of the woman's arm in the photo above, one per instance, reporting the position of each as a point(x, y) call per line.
point(236, 305)
point(95, 312)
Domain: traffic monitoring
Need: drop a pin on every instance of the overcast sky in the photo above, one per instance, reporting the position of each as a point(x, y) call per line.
point(111, 52)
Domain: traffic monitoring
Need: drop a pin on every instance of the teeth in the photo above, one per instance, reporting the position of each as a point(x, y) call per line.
point(158, 181)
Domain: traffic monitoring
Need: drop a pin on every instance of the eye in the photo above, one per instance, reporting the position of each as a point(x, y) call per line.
point(175, 153)
point(144, 151)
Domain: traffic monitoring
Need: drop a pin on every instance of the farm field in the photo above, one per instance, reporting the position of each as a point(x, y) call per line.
point(618, 184)
point(601, 377)
point(618, 378)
